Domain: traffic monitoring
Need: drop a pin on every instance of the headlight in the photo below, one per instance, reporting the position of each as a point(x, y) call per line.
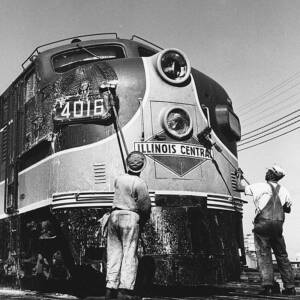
point(177, 122)
point(173, 66)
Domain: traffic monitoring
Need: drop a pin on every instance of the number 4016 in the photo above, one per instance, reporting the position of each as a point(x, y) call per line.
point(77, 107)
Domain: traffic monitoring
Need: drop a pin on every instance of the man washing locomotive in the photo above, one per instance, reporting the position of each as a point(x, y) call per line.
point(131, 208)
point(272, 201)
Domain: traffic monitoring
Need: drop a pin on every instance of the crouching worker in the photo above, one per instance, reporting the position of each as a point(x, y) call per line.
point(272, 201)
point(131, 208)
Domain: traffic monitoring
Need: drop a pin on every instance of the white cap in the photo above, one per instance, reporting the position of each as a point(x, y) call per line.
point(278, 171)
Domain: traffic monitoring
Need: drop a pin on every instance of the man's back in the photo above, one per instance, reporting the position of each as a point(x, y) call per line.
point(262, 192)
point(131, 193)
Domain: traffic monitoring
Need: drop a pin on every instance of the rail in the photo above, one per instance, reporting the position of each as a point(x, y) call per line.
point(146, 41)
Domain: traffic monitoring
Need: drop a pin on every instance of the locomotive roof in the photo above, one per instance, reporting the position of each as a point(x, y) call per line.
point(130, 47)
point(128, 44)
point(74, 41)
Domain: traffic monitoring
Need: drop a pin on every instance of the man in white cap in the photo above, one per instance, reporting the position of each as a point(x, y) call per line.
point(131, 207)
point(271, 201)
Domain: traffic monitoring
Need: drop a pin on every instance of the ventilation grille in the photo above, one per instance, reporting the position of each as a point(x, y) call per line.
point(233, 181)
point(99, 173)
point(4, 144)
point(5, 111)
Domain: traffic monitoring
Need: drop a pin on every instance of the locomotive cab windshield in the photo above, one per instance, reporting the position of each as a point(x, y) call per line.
point(71, 59)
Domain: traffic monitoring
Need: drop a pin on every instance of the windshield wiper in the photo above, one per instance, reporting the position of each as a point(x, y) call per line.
point(88, 51)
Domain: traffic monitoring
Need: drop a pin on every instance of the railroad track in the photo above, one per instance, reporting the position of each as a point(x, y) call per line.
point(248, 288)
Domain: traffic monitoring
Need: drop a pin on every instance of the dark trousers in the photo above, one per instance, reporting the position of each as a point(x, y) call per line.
point(268, 236)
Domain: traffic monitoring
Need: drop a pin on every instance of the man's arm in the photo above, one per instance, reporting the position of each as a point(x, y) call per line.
point(287, 207)
point(247, 189)
point(287, 204)
point(143, 201)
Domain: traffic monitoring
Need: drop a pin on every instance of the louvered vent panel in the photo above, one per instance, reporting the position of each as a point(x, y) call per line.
point(5, 111)
point(99, 173)
point(233, 180)
point(4, 144)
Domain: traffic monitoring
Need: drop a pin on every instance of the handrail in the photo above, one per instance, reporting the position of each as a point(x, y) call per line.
point(146, 41)
point(36, 50)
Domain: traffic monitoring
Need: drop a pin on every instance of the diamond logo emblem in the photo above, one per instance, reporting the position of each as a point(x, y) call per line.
point(179, 157)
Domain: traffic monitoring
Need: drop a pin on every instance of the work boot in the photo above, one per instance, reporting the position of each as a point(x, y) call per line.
point(267, 291)
point(289, 291)
point(110, 294)
point(124, 294)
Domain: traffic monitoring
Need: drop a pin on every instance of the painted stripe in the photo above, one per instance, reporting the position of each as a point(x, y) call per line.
point(147, 90)
point(29, 207)
point(3, 128)
point(200, 194)
point(223, 208)
point(96, 144)
point(3, 216)
point(35, 205)
point(109, 204)
point(81, 205)
point(185, 193)
point(225, 202)
point(98, 194)
point(105, 199)
point(227, 199)
point(87, 199)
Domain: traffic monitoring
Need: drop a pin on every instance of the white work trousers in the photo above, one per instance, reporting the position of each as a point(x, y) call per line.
point(122, 241)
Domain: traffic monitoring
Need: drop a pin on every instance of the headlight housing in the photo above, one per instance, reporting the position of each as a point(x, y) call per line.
point(177, 122)
point(173, 66)
point(228, 121)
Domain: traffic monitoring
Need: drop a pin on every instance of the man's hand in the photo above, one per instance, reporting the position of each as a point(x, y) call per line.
point(239, 173)
point(239, 176)
point(287, 207)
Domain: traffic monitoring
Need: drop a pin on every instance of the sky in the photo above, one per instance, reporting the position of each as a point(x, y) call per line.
point(247, 46)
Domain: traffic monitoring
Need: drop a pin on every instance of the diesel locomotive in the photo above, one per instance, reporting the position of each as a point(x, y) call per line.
point(68, 122)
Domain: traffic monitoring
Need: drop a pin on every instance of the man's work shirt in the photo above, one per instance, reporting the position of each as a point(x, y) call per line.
point(131, 193)
point(262, 192)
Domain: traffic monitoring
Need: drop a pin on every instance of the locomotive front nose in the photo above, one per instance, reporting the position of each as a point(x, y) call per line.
point(173, 66)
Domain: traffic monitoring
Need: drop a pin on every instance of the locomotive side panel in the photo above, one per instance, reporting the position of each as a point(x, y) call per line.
point(85, 167)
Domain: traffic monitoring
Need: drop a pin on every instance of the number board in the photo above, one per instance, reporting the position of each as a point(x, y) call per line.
point(77, 110)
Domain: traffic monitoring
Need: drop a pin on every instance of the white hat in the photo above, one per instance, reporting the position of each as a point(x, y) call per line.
point(278, 171)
